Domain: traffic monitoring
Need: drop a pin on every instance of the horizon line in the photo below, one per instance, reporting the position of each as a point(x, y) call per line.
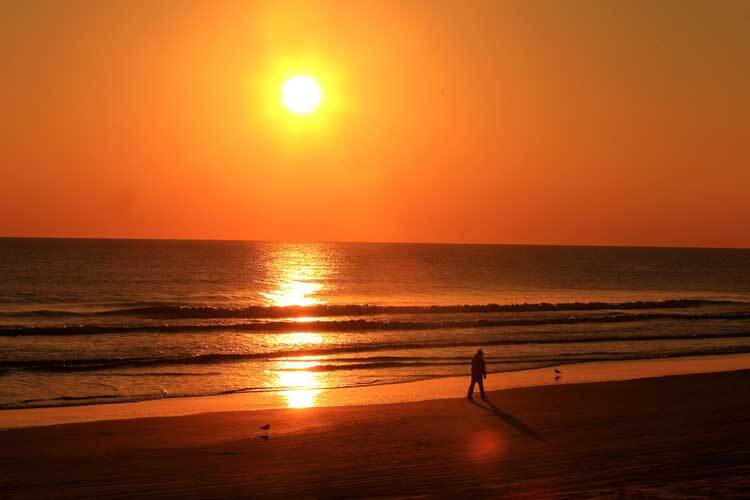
point(580, 245)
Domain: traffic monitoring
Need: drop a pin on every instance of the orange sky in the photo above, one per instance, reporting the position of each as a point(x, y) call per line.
point(589, 122)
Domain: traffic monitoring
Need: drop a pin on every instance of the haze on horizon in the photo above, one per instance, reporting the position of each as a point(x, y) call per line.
point(612, 123)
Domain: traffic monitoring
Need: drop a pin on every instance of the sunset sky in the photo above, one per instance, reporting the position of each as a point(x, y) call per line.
point(550, 122)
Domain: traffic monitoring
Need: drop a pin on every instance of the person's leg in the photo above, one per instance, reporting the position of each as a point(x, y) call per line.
point(481, 388)
point(471, 388)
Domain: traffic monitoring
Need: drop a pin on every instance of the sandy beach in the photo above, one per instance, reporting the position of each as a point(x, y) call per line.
point(681, 436)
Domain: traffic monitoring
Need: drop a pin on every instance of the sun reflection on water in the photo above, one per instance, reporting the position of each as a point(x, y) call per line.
point(297, 275)
point(299, 338)
point(303, 385)
point(294, 293)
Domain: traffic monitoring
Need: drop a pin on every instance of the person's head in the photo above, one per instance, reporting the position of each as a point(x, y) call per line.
point(480, 353)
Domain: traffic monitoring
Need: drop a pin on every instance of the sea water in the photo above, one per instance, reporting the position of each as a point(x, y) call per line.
point(93, 321)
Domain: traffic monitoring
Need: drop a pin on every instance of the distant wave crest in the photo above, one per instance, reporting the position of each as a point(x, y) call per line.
point(365, 325)
point(172, 311)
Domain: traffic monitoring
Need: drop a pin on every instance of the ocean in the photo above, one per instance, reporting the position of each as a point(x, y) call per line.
point(96, 321)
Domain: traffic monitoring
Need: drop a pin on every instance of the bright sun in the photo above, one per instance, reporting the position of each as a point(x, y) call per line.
point(301, 94)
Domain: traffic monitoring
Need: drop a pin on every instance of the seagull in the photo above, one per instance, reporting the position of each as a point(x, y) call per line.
point(266, 427)
point(558, 372)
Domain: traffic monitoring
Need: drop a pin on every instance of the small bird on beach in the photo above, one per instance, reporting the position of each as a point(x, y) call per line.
point(266, 427)
point(558, 372)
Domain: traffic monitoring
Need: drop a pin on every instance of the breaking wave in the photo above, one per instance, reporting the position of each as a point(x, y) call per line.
point(363, 325)
point(92, 364)
point(172, 311)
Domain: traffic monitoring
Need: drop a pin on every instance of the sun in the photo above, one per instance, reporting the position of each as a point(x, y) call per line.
point(301, 94)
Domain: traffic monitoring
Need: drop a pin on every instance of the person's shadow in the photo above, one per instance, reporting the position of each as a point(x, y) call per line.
point(508, 419)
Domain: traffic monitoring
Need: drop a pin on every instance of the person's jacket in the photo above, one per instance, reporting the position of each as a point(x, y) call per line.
point(477, 367)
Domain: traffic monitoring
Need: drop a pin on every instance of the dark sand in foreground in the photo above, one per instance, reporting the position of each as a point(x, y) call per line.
point(673, 437)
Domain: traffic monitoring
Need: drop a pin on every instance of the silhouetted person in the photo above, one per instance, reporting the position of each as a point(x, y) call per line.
point(478, 374)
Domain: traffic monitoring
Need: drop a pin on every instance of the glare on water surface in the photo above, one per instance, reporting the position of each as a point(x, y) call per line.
point(303, 385)
point(297, 275)
point(300, 338)
point(294, 293)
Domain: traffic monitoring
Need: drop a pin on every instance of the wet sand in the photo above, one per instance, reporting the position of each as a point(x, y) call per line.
point(439, 388)
point(684, 436)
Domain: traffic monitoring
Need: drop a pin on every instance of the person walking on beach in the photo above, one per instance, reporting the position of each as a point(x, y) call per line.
point(478, 374)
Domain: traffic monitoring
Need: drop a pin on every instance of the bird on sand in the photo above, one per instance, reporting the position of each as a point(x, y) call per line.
point(557, 372)
point(266, 427)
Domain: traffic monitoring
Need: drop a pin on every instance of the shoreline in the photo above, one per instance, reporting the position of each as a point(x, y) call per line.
point(681, 436)
point(406, 392)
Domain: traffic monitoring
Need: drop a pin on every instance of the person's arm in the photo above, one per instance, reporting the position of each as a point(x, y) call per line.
point(484, 369)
